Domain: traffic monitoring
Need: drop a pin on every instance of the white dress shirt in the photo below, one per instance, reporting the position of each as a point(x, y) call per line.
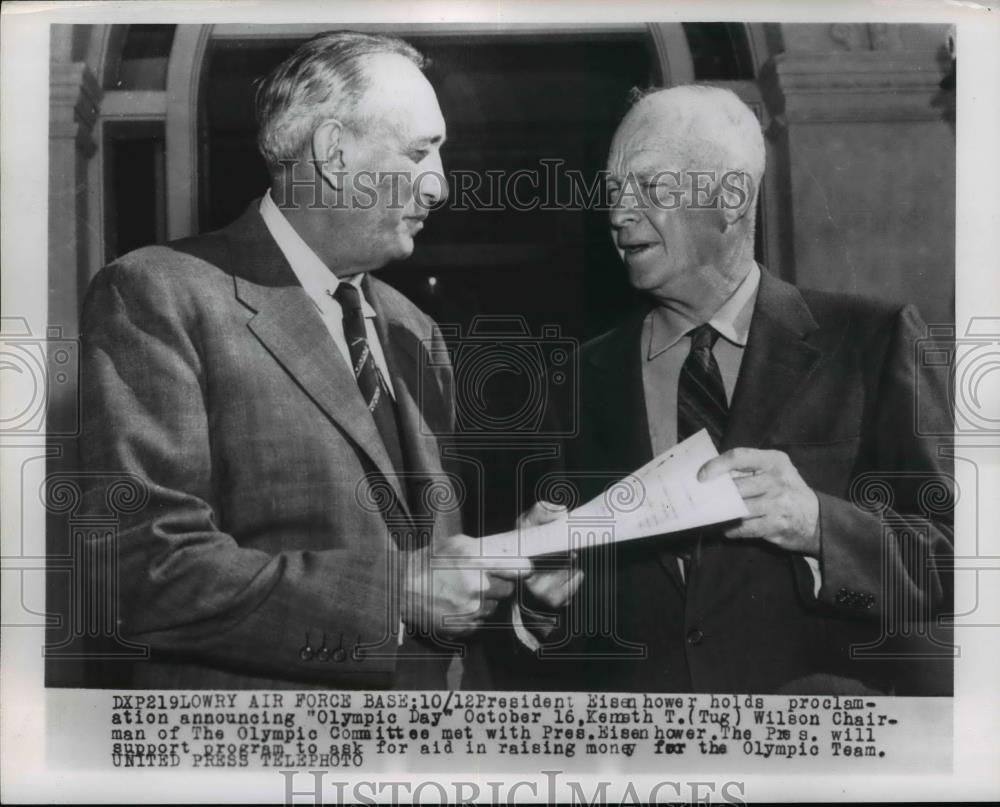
point(321, 284)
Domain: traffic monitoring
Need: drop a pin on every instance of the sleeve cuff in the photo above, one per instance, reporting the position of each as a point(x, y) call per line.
point(813, 565)
point(542, 624)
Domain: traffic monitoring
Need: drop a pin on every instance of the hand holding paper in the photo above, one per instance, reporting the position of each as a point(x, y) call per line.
point(783, 509)
point(663, 496)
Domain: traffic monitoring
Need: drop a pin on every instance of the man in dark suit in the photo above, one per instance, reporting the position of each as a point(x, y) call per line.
point(830, 584)
point(276, 406)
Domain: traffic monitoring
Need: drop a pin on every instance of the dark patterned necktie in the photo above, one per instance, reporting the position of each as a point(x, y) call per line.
point(701, 404)
point(701, 397)
point(373, 387)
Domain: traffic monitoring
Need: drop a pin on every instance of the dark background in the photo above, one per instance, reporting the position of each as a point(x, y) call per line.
point(508, 106)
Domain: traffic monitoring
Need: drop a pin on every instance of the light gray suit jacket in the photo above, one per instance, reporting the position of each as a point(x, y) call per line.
point(266, 553)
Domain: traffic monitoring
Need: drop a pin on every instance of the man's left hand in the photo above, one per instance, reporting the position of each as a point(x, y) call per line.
point(784, 510)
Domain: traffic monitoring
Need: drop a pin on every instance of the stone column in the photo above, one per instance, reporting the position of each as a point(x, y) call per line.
point(73, 105)
point(74, 96)
point(871, 165)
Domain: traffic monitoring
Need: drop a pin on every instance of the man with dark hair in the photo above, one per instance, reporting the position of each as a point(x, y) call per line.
point(271, 397)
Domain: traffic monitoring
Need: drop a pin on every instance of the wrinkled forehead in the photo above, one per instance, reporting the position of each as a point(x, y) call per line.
point(646, 143)
point(644, 156)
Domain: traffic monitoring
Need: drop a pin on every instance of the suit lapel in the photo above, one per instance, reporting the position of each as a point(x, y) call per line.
point(287, 324)
point(415, 391)
point(777, 361)
point(618, 365)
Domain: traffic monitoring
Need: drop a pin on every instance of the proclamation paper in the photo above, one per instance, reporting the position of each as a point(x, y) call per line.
point(663, 496)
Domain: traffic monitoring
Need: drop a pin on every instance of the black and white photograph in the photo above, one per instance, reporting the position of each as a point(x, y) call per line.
point(393, 400)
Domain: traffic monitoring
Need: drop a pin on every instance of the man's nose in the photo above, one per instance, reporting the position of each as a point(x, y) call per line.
point(623, 212)
point(432, 187)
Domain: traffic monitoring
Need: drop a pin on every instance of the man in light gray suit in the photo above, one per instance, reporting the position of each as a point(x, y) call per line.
point(276, 402)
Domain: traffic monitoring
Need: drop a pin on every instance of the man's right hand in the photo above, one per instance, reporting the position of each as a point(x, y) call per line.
point(449, 588)
point(552, 588)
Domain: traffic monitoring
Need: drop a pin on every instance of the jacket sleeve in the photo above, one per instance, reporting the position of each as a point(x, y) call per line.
point(186, 587)
point(885, 553)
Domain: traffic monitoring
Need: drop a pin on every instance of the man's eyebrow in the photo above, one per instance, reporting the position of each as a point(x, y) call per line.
point(434, 140)
point(636, 175)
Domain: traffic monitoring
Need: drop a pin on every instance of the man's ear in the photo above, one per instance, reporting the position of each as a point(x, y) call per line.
point(737, 192)
point(328, 152)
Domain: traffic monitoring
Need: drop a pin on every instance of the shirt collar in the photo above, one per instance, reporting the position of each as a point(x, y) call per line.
point(731, 321)
point(317, 280)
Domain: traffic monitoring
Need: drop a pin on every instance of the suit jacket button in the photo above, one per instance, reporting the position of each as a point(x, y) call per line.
point(695, 637)
point(339, 654)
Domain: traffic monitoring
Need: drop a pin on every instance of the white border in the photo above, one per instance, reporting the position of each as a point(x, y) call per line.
point(23, 235)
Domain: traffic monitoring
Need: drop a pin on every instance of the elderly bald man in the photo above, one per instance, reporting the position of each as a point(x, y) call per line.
point(810, 397)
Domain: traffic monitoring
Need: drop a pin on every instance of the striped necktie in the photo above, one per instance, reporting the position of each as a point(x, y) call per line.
point(373, 388)
point(701, 397)
point(701, 404)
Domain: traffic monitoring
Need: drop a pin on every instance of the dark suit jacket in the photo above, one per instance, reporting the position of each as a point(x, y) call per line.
point(835, 382)
point(210, 380)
